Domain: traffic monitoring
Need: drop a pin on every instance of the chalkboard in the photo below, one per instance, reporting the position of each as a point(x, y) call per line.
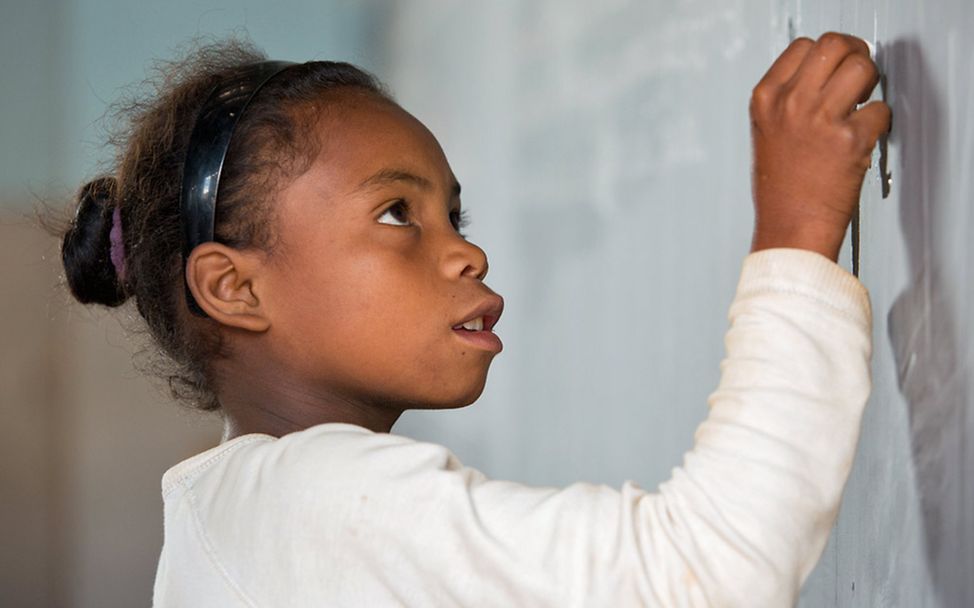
point(607, 150)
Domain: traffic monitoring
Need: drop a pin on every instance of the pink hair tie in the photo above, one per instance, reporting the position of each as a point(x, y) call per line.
point(118, 247)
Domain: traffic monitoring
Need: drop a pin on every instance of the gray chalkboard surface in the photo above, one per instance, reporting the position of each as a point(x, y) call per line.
point(606, 148)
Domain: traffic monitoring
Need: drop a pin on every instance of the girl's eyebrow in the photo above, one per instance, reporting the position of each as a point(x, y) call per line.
point(389, 175)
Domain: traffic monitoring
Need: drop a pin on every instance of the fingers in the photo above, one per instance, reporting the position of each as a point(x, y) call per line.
point(871, 121)
point(787, 63)
point(851, 84)
point(824, 58)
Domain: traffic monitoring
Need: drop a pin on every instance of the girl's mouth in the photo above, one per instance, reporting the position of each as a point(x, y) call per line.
point(480, 338)
point(478, 323)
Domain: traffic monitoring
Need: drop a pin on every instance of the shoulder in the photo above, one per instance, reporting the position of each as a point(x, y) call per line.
point(347, 450)
point(324, 458)
point(317, 505)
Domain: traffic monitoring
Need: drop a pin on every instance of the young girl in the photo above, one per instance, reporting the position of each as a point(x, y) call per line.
point(293, 239)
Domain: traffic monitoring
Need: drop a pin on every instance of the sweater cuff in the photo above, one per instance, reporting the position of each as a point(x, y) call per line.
point(807, 273)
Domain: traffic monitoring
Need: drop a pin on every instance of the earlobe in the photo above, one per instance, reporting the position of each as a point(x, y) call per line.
point(223, 280)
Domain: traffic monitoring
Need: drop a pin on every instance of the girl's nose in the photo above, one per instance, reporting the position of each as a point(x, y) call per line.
point(465, 259)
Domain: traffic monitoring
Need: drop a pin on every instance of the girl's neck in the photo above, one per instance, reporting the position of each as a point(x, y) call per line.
point(274, 405)
point(238, 421)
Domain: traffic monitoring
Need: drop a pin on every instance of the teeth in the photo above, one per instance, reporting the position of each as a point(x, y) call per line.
point(474, 325)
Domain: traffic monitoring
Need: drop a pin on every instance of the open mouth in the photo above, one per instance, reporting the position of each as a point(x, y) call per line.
point(482, 338)
point(472, 325)
point(479, 323)
point(483, 317)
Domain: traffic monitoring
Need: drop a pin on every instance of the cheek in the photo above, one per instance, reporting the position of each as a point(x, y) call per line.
point(366, 308)
point(379, 322)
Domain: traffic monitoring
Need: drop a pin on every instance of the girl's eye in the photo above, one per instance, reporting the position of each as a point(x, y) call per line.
point(399, 212)
point(398, 215)
point(460, 220)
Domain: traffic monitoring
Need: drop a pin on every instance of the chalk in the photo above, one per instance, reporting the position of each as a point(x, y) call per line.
point(872, 49)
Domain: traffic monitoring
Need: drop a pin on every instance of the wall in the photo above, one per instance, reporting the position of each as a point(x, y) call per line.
point(608, 149)
point(83, 446)
point(86, 438)
point(79, 56)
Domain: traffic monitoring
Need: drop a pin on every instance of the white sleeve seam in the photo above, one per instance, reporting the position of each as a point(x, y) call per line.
point(211, 553)
point(199, 468)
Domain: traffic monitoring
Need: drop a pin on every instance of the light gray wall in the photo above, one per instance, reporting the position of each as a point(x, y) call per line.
point(67, 60)
point(31, 42)
point(85, 438)
point(607, 149)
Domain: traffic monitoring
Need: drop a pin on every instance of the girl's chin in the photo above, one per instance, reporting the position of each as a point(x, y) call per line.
point(459, 399)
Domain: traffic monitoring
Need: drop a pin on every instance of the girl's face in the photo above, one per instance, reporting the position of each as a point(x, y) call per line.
point(371, 275)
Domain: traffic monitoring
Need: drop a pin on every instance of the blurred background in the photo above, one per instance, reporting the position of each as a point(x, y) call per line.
point(604, 153)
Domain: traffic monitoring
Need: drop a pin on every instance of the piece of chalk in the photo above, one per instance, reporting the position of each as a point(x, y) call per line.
point(872, 50)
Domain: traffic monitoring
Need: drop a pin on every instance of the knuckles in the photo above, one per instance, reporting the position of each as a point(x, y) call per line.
point(802, 42)
point(833, 38)
point(843, 42)
point(864, 65)
point(845, 139)
point(793, 106)
point(762, 99)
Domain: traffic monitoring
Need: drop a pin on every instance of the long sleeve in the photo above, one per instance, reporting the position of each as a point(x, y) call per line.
point(750, 510)
point(337, 515)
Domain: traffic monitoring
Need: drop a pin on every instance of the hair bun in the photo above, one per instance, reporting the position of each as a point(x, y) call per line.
point(86, 248)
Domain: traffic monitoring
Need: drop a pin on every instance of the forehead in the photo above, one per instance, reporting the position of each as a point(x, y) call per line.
point(360, 135)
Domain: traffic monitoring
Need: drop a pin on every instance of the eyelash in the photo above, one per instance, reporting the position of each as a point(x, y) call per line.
point(462, 218)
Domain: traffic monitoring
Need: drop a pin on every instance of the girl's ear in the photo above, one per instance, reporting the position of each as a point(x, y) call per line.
point(222, 280)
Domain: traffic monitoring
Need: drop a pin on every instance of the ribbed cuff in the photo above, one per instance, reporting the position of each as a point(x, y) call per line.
point(807, 273)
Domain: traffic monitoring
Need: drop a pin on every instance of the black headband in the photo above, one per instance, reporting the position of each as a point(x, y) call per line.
point(207, 150)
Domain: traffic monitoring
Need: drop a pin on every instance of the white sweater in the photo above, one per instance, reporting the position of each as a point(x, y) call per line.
point(337, 515)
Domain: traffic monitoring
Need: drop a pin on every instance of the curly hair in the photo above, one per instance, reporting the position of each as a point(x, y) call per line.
point(271, 143)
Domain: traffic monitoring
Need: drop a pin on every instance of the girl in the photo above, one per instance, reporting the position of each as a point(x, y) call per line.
point(293, 240)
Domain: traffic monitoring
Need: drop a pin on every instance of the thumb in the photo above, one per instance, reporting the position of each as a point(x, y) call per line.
point(871, 121)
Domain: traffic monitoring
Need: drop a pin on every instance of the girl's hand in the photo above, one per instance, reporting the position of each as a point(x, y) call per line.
point(811, 146)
